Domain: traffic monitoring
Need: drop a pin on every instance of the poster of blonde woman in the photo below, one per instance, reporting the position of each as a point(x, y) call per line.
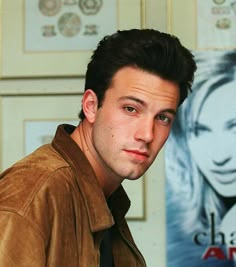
point(200, 159)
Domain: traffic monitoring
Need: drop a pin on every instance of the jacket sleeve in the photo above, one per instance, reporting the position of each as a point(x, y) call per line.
point(21, 245)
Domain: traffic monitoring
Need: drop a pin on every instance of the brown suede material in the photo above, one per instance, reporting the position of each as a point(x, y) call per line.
point(53, 211)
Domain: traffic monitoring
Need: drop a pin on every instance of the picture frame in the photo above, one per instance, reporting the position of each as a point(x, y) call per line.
point(210, 24)
point(36, 126)
point(16, 62)
point(216, 24)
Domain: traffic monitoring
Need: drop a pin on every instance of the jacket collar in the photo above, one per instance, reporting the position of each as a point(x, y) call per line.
point(100, 215)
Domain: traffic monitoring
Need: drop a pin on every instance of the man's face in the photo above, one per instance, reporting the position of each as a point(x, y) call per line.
point(133, 122)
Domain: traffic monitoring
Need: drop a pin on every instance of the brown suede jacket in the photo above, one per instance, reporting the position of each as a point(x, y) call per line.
point(53, 212)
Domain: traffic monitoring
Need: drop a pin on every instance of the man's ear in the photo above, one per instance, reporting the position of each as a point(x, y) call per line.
point(90, 105)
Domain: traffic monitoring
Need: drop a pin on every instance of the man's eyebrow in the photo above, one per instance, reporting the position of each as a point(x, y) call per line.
point(168, 110)
point(133, 98)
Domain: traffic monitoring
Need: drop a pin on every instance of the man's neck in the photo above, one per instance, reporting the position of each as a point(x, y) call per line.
point(82, 135)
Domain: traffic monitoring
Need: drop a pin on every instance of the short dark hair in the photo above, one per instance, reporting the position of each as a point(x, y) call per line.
point(147, 49)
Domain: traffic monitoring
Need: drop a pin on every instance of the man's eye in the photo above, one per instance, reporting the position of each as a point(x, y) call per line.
point(130, 109)
point(163, 118)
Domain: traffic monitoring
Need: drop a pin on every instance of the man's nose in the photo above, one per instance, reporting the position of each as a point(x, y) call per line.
point(145, 130)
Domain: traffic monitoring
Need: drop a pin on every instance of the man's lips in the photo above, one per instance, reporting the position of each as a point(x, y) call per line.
point(137, 153)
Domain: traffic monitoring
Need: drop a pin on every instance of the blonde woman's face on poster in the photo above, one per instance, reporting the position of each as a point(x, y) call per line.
point(213, 141)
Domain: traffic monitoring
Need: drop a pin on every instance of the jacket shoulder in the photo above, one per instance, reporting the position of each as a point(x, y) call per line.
point(20, 183)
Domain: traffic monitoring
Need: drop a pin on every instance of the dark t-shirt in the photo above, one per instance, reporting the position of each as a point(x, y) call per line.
point(106, 258)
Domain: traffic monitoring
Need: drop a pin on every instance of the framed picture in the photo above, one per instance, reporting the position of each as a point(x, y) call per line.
point(36, 119)
point(15, 110)
point(216, 24)
point(55, 38)
point(210, 24)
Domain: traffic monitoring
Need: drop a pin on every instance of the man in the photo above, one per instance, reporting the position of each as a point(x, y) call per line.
point(64, 205)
